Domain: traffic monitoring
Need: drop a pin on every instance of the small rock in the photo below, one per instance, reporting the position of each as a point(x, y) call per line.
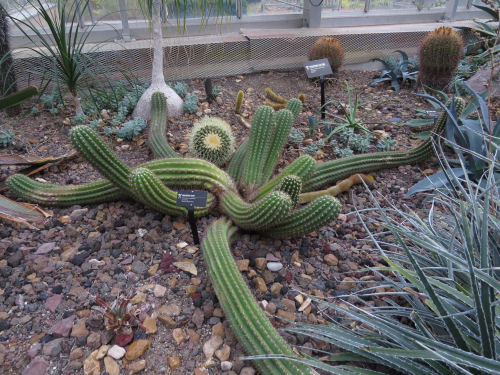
point(247, 371)
point(79, 329)
point(116, 352)
point(271, 308)
point(37, 366)
point(187, 267)
point(274, 266)
point(139, 267)
point(198, 317)
point(138, 298)
point(179, 335)
point(218, 330)
point(94, 340)
point(123, 339)
point(347, 284)
point(276, 289)
point(211, 346)
point(243, 265)
point(52, 348)
point(260, 284)
point(168, 321)
point(52, 302)
point(76, 353)
point(331, 260)
point(63, 327)
point(170, 310)
point(286, 315)
point(159, 291)
point(15, 259)
point(174, 362)
point(260, 263)
point(226, 365)
point(101, 353)
point(69, 254)
point(223, 353)
point(91, 366)
point(111, 366)
point(137, 366)
point(136, 349)
point(33, 350)
point(150, 324)
point(45, 248)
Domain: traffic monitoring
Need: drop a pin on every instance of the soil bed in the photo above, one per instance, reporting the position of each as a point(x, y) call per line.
point(49, 276)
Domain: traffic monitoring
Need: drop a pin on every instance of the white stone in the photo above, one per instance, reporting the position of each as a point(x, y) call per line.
point(274, 266)
point(159, 291)
point(226, 365)
point(116, 352)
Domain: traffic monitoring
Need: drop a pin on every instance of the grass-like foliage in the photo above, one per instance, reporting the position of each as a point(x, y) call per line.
point(443, 314)
point(62, 48)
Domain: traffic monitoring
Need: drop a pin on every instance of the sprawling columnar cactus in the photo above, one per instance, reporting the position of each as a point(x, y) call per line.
point(295, 106)
point(157, 137)
point(249, 323)
point(292, 185)
point(235, 166)
point(333, 170)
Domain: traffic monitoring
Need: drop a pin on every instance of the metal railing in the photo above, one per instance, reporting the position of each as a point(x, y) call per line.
point(126, 24)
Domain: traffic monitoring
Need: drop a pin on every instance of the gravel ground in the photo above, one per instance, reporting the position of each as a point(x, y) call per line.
point(49, 277)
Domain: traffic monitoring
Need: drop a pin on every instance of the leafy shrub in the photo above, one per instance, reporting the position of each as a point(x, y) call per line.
point(190, 103)
point(132, 128)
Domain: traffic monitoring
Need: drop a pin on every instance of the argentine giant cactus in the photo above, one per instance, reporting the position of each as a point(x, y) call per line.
point(157, 137)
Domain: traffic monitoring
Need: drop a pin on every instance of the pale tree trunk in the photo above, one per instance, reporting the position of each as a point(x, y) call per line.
point(175, 104)
point(77, 103)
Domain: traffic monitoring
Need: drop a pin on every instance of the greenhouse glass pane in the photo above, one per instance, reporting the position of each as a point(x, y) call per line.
point(392, 4)
point(262, 7)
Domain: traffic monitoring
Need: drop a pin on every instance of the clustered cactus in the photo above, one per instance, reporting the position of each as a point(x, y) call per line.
point(277, 102)
point(439, 54)
point(267, 207)
point(212, 139)
point(328, 48)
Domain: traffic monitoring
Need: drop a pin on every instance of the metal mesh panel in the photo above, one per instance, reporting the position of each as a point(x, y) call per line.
point(223, 56)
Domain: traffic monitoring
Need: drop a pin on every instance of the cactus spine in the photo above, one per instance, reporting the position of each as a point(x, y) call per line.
point(157, 137)
point(439, 54)
point(239, 101)
point(212, 139)
point(333, 170)
point(328, 48)
point(258, 147)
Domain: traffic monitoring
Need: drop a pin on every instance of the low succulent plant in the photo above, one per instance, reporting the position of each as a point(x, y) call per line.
point(95, 125)
point(180, 88)
point(6, 138)
point(312, 149)
point(296, 136)
point(190, 103)
point(212, 139)
point(132, 128)
point(80, 119)
point(387, 144)
point(35, 111)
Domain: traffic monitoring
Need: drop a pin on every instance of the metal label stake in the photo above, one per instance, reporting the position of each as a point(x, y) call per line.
point(192, 199)
point(319, 68)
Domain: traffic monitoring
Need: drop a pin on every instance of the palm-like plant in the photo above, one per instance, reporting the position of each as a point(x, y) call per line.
point(62, 48)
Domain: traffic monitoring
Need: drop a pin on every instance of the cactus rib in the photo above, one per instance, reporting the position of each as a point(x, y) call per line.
point(295, 106)
point(235, 166)
point(249, 323)
point(151, 191)
point(157, 137)
point(333, 170)
point(316, 214)
point(260, 215)
point(292, 185)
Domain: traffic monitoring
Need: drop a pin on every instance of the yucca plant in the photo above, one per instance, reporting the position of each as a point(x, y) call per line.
point(442, 315)
point(64, 62)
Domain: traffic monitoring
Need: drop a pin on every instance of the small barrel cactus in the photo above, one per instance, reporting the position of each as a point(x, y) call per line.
point(6, 137)
point(439, 54)
point(212, 139)
point(328, 48)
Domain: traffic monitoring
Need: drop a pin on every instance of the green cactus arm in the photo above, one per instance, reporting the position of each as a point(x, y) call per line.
point(249, 323)
point(334, 170)
point(273, 208)
point(295, 106)
point(303, 167)
point(69, 195)
point(258, 147)
point(92, 147)
point(271, 95)
point(292, 185)
point(313, 216)
point(235, 166)
point(149, 189)
point(157, 137)
point(283, 124)
point(239, 101)
point(18, 97)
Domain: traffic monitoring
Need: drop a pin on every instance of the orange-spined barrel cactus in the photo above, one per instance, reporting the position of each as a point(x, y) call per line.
point(329, 48)
point(440, 52)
